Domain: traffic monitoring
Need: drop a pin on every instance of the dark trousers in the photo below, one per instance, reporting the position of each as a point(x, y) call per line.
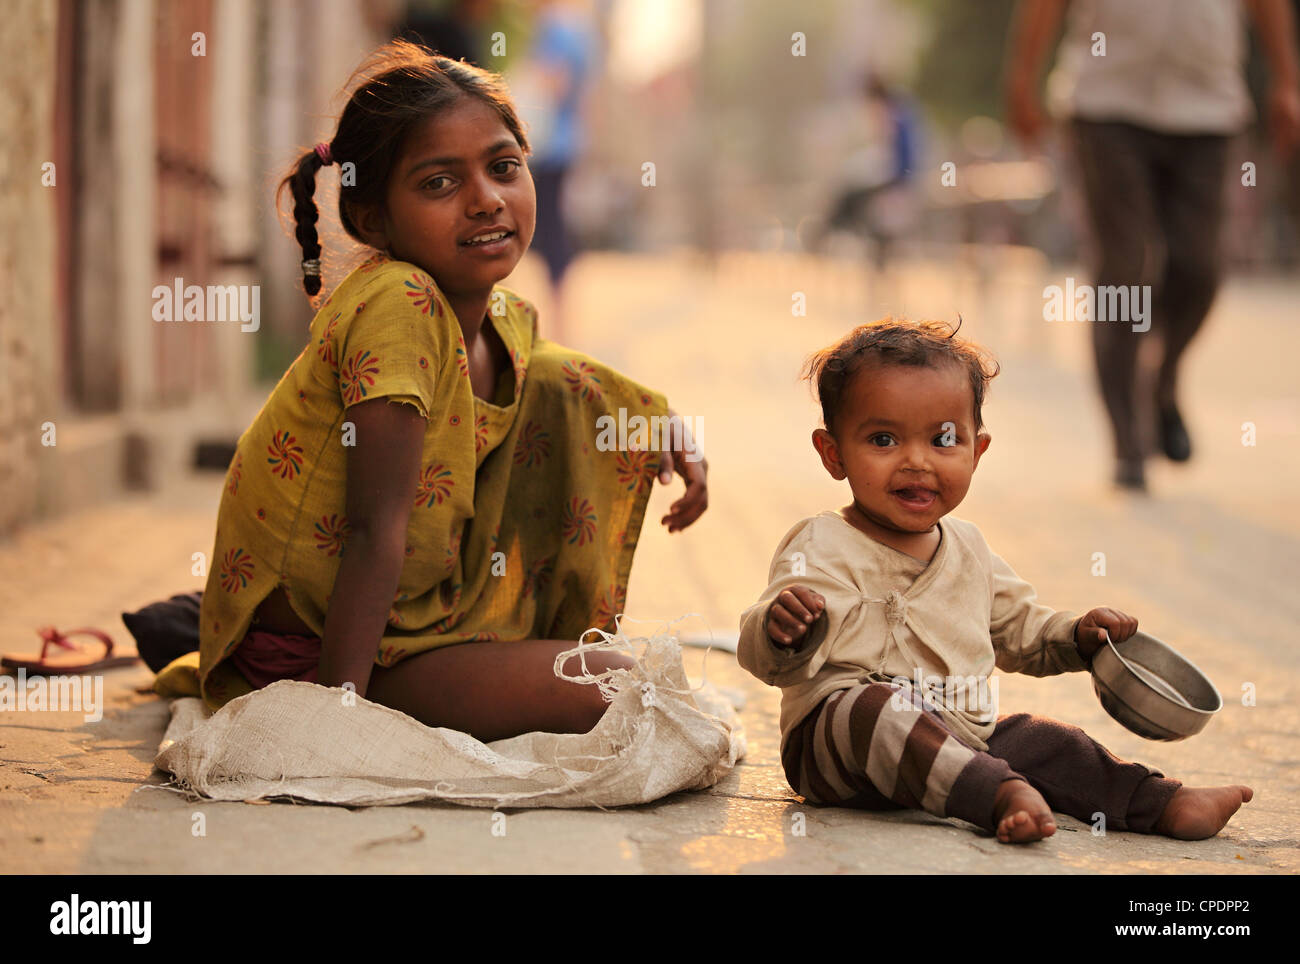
point(862, 749)
point(551, 237)
point(1155, 203)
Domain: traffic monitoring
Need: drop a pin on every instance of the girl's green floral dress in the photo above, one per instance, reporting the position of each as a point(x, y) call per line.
point(521, 527)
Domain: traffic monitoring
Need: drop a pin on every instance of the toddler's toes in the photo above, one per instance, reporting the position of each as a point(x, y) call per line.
point(1004, 828)
point(1024, 827)
point(1018, 827)
point(1025, 816)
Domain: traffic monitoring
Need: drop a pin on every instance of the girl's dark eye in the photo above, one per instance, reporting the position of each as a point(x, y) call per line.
point(430, 182)
point(873, 439)
point(506, 160)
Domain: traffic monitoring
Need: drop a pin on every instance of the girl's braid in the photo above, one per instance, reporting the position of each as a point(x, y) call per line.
point(305, 215)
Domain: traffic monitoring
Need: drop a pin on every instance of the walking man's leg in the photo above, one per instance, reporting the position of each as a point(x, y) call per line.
point(1118, 187)
point(1190, 208)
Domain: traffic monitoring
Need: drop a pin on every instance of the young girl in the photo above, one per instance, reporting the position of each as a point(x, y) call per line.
point(891, 588)
point(426, 472)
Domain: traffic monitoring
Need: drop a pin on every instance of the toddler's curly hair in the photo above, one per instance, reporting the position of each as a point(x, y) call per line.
point(891, 341)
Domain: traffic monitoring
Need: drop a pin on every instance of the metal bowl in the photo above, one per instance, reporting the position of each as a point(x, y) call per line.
point(1149, 689)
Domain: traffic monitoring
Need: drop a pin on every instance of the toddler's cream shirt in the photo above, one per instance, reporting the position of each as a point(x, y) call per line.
point(891, 615)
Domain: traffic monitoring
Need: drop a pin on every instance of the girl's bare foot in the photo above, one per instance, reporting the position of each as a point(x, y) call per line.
point(1021, 813)
point(1194, 813)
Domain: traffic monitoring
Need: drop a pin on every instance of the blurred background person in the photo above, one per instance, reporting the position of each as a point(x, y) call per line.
point(550, 85)
point(875, 190)
point(1153, 93)
point(457, 29)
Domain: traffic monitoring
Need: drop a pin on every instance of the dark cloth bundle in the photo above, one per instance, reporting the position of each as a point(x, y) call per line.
point(167, 630)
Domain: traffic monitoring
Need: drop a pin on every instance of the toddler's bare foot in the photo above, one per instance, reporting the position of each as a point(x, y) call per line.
point(1194, 813)
point(1021, 813)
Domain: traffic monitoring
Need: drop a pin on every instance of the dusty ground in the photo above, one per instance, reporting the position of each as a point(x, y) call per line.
point(1207, 562)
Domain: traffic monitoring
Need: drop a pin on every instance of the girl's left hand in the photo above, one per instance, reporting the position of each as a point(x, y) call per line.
point(1091, 631)
point(696, 499)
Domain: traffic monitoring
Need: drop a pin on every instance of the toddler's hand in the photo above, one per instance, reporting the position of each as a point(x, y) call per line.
point(791, 614)
point(1090, 633)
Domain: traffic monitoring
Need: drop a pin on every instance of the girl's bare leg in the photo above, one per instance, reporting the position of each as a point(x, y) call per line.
point(493, 690)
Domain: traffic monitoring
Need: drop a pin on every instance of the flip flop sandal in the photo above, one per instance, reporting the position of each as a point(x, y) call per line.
point(73, 662)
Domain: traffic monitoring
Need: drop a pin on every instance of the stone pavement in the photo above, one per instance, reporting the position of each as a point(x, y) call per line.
point(1206, 562)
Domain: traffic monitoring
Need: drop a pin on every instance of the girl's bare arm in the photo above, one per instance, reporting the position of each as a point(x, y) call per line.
point(382, 473)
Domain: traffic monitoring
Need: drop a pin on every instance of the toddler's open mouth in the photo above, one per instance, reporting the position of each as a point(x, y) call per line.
point(915, 496)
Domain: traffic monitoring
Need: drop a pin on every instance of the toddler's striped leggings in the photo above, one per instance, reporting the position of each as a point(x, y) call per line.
point(858, 750)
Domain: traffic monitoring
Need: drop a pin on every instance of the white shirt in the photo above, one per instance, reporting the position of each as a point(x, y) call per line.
point(1173, 66)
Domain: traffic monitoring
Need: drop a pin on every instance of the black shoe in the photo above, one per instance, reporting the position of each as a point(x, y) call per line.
point(1173, 435)
point(1130, 475)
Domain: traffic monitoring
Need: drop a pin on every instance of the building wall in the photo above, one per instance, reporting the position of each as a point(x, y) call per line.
point(165, 166)
point(28, 373)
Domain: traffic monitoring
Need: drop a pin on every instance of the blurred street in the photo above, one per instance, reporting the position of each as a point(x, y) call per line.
point(1207, 561)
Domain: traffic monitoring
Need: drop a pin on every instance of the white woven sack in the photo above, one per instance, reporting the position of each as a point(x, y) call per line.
point(326, 745)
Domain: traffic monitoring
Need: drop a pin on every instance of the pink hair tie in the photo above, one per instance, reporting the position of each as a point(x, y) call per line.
point(324, 153)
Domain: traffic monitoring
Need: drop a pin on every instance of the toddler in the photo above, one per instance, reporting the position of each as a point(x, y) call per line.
point(866, 603)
